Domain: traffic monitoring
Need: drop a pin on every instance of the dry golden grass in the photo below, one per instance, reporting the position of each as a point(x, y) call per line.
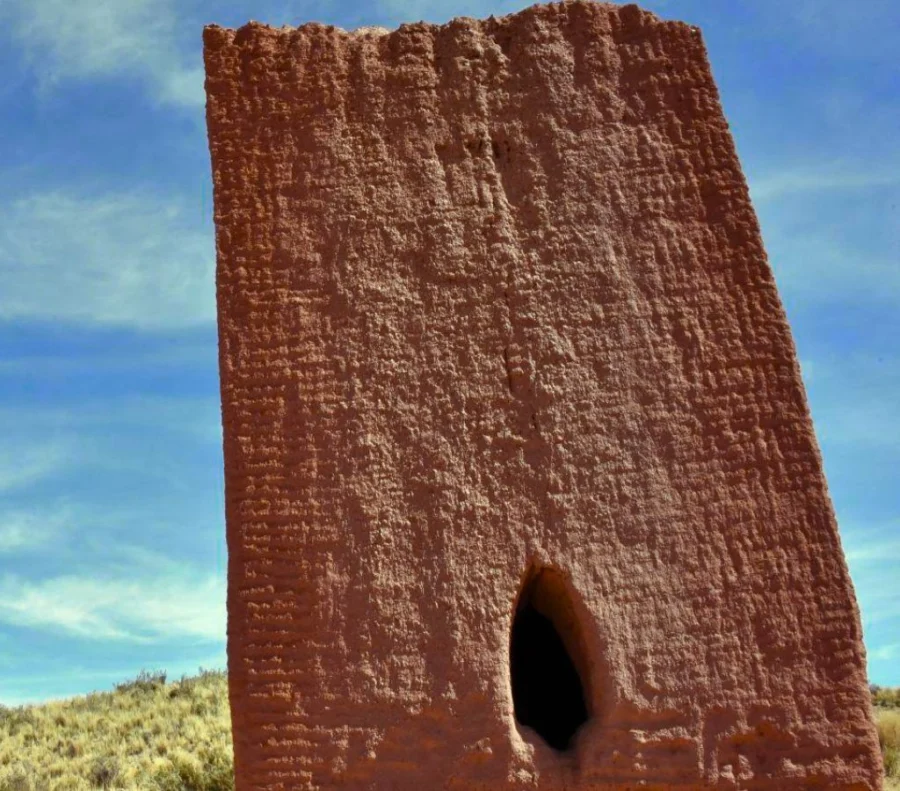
point(147, 736)
point(888, 721)
point(151, 736)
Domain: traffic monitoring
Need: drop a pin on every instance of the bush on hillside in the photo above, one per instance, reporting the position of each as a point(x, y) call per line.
point(146, 681)
point(885, 697)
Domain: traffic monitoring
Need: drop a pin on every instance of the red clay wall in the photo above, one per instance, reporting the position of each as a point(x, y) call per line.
point(492, 297)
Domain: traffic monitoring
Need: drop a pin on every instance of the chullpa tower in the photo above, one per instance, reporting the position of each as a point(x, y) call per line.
point(522, 489)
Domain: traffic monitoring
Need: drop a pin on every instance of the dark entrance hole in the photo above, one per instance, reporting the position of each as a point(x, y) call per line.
point(545, 656)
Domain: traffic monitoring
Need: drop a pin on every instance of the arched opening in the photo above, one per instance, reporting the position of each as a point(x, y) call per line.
point(547, 661)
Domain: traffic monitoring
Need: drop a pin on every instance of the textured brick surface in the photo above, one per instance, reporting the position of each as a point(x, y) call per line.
point(492, 297)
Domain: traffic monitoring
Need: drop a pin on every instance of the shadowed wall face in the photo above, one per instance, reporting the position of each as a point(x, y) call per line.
point(510, 405)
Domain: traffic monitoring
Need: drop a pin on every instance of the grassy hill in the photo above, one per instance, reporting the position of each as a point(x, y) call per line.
point(887, 715)
point(149, 735)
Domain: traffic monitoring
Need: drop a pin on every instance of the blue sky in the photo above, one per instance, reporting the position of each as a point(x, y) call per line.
point(112, 550)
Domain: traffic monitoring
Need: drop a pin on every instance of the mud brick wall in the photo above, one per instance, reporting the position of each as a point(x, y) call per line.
point(493, 302)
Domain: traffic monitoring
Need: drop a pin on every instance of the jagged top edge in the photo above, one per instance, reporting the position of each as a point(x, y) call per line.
point(229, 34)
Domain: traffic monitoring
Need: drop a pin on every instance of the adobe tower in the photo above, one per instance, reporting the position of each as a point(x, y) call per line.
point(522, 488)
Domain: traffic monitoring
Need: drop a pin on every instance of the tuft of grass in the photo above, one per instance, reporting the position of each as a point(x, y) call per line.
point(888, 722)
point(149, 734)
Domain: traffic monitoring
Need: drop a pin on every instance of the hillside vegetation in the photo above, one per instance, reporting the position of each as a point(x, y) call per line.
point(887, 715)
point(146, 735)
point(149, 735)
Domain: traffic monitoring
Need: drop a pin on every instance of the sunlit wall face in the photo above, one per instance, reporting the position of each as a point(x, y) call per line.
point(111, 506)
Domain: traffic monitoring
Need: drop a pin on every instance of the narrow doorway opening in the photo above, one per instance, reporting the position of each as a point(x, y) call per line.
point(546, 655)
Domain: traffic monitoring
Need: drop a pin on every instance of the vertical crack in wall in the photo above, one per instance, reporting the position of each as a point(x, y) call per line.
point(518, 359)
point(509, 383)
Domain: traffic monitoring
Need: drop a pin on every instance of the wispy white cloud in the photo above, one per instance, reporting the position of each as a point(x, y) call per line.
point(855, 400)
point(858, 365)
point(873, 555)
point(179, 602)
point(49, 451)
point(828, 227)
point(89, 39)
point(857, 31)
point(25, 530)
point(878, 600)
point(56, 362)
point(806, 371)
point(124, 259)
point(32, 457)
point(816, 266)
point(862, 423)
point(23, 464)
point(832, 178)
point(885, 653)
point(861, 553)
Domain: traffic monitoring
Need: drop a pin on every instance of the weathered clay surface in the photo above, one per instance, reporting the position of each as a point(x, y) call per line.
point(492, 298)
